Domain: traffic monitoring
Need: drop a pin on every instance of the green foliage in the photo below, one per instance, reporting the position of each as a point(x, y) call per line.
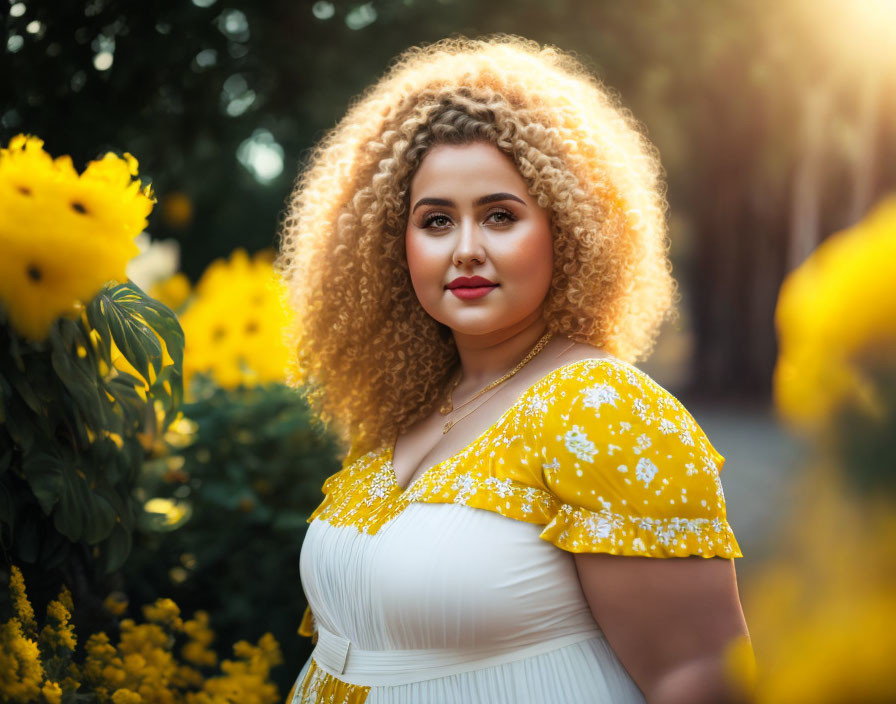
point(237, 485)
point(136, 323)
point(70, 443)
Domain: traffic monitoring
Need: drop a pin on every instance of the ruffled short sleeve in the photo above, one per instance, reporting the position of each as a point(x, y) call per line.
point(632, 471)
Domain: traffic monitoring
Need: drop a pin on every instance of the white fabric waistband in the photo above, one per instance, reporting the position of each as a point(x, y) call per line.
point(339, 657)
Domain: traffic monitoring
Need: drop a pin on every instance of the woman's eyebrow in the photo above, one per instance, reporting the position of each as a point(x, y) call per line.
point(479, 201)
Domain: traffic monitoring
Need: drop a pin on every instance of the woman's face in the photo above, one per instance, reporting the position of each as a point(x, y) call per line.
point(471, 216)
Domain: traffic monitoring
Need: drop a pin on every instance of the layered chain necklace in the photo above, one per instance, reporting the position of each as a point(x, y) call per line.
point(448, 406)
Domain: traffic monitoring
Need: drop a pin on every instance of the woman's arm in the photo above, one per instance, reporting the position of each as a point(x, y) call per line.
point(670, 621)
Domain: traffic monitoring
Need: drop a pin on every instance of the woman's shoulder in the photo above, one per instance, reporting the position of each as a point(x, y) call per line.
point(584, 367)
point(626, 460)
point(617, 402)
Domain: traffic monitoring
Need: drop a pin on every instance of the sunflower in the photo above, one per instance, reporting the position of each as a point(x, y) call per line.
point(63, 235)
point(234, 325)
point(834, 310)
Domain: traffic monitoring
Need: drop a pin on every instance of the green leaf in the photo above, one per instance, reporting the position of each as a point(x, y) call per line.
point(173, 401)
point(98, 322)
point(55, 550)
point(100, 519)
point(20, 424)
point(27, 393)
point(164, 321)
point(116, 549)
point(80, 382)
point(45, 475)
point(72, 515)
point(122, 307)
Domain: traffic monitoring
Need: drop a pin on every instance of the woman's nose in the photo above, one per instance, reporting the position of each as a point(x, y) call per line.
point(469, 240)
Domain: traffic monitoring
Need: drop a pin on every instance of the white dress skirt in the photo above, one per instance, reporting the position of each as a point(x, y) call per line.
point(450, 603)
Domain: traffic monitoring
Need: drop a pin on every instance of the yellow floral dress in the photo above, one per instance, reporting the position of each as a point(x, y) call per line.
point(414, 596)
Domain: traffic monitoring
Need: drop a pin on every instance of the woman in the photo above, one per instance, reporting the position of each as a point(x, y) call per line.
point(476, 253)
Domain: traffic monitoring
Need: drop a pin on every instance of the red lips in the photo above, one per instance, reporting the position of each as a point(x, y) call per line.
point(470, 282)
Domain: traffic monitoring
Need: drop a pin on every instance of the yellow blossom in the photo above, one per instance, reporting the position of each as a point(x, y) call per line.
point(63, 235)
point(234, 325)
point(116, 603)
point(245, 679)
point(23, 610)
point(196, 649)
point(833, 309)
point(126, 696)
point(140, 668)
point(52, 692)
point(173, 291)
point(164, 612)
point(58, 632)
point(21, 672)
point(821, 610)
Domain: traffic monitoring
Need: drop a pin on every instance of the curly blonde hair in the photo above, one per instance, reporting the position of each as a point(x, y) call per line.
point(370, 360)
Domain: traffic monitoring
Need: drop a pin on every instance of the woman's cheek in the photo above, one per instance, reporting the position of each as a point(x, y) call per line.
point(423, 266)
point(531, 260)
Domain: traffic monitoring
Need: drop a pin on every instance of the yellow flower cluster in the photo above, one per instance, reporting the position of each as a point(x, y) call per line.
point(821, 612)
point(837, 308)
point(63, 235)
point(142, 667)
point(172, 291)
point(234, 326)
point(822, 608)
point(27, 659)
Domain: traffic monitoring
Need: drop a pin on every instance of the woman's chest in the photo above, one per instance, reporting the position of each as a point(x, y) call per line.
point(440, 576)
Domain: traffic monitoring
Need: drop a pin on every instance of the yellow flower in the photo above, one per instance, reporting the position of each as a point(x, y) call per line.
point(126, 696)
point(23, 610)
point(835, 308)
point(63, 235)
point(234, 326)
point(196, 649)
point(58, 632)
point(116, 603)
point(173, 291)
point(21, 672)
point(164, 612)
point(245, 680)
point(52, 692)
point(821, 609)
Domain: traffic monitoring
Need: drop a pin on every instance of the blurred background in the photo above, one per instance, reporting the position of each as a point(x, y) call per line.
point(776, 123)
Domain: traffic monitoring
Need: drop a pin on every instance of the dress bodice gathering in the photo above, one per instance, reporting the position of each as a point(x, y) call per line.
point(416, 596)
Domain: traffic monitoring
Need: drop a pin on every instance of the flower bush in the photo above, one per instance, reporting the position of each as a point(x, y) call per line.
point(73, 424)
point(821, 609)
point(235, 322)
point(164, 659)
point(64, 234)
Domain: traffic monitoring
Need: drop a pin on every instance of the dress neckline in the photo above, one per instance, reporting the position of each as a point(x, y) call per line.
point(389, 449)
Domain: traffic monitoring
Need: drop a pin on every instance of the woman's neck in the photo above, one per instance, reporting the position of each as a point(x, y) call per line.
point(484, 358)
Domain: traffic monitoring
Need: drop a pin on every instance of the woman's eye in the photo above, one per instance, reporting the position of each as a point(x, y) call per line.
point(433, 218)
point(439, 222)
point(505, 217)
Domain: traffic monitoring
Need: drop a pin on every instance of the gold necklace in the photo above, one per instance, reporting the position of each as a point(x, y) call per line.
point(448, 407)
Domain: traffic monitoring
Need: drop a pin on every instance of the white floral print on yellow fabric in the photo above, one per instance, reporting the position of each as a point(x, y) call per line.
point(320, 687)
point(596, 451)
